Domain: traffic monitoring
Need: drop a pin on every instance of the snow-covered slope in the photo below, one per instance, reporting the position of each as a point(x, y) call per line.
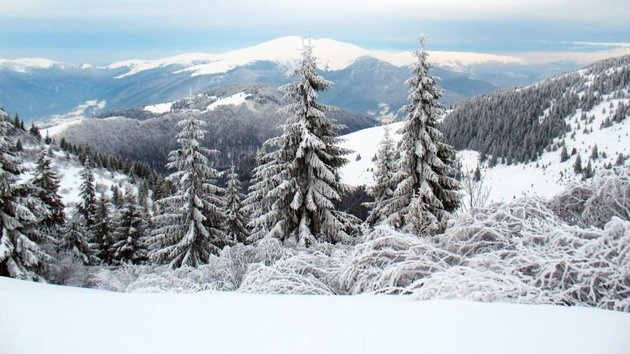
point(544, 177)
point(53, 319)
point(332, 55)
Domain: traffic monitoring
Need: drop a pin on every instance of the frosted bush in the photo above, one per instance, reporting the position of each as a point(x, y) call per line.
point(306, 273)
point(388, 261)
point(462, 282)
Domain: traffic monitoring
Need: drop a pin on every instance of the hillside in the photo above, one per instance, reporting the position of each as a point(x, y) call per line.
point(239, 117)
point(578, 110)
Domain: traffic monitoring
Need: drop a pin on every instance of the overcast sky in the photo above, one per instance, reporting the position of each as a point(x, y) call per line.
point(100, 31)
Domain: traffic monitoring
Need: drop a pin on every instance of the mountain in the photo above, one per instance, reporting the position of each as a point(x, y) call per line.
point(516, 136)
point(39, 88)
point(239, 117)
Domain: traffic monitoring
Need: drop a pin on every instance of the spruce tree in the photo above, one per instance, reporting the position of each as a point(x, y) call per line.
point(256, 203)
point(47, 181)
point(130, 233)
point(103, 231)
point(384, 183)
point(426, 169)
point(564, 154)
point(236, 220)
point(74, 241)
point(87, 194)
point(577, 165)
point(21, 210)
point(304, 168)
point(188, 226)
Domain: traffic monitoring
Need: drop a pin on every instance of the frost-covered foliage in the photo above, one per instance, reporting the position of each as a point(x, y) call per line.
point(594, 202)
point(299, 178)
point(21, 211)
point(426, 191)
point(384, 182)
point(235, 217)
point(189, 227)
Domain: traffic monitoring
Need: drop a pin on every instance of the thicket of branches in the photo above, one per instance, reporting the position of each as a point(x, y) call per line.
point(528, 251)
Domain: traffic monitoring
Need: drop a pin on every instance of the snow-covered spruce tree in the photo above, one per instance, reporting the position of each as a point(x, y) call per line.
point(304, 167)
point(130, 233)
point(235, 218)
point(21, 210)
point(425, 170)
point(47, 181)
point(74, 241)
point(188, 225)
point(384, 183)
point(255, 204)
point(104, 231)
point(87, 194)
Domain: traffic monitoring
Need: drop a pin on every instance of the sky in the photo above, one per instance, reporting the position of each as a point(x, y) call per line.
point(104, 31)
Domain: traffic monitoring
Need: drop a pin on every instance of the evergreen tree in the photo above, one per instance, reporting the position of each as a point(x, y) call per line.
point(21, 254)
point(75, 242)
point(235, 220)
point(577, 165)
point(426, 169)
point(87, 193)
point(620, 159)
point(564, 154)
point(256, 203)
point(103, 231)
point(188, 225)
point(131, 245)
point(384, 183)
point(588, 171)
point(304, 167)
point(477, 174)
point(594, 153)
point(47, 181)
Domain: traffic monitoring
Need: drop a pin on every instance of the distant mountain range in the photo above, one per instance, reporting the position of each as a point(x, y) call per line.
point(367, 82)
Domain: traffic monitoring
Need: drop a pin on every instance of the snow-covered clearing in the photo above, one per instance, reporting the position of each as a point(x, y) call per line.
point(54, 319)
point(159, 108)
point(235, 100)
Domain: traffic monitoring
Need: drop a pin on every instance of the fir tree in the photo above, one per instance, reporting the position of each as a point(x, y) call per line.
point(87, 194)
point(75, 242)
point(256, 203)
point(577, 165)
point(235, 220)
point(426, 167)
point(594, 153)
point(21, 253)
point(304, 168)
point(620, 159)
point(564, 154)
point(588, 171)
point(103, 231)
point(384, 183)
point(48, 183)
point(188, 225)
point(131, 245)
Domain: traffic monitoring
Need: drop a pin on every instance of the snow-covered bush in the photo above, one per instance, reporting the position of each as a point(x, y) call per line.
point(308, 272)
point(388, 261)
point(595, 202)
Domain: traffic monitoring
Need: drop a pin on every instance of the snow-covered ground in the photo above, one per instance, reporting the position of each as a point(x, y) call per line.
point(40, 318)
point(545, 177)
point(235, 99)
point(159, 108)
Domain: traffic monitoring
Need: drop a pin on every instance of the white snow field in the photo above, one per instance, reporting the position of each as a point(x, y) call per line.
point(40, 318)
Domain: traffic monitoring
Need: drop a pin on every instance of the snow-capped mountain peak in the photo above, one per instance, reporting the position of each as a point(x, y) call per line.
point(332, 55)
point(25, 64)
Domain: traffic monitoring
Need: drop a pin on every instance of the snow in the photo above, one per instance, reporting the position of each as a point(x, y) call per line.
point(364, 142)
point(235, 99)
point(58, 123)
point(23, 65)
point(331, 54)
point(545, 177)
point(54, 319)
point(160, 107)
